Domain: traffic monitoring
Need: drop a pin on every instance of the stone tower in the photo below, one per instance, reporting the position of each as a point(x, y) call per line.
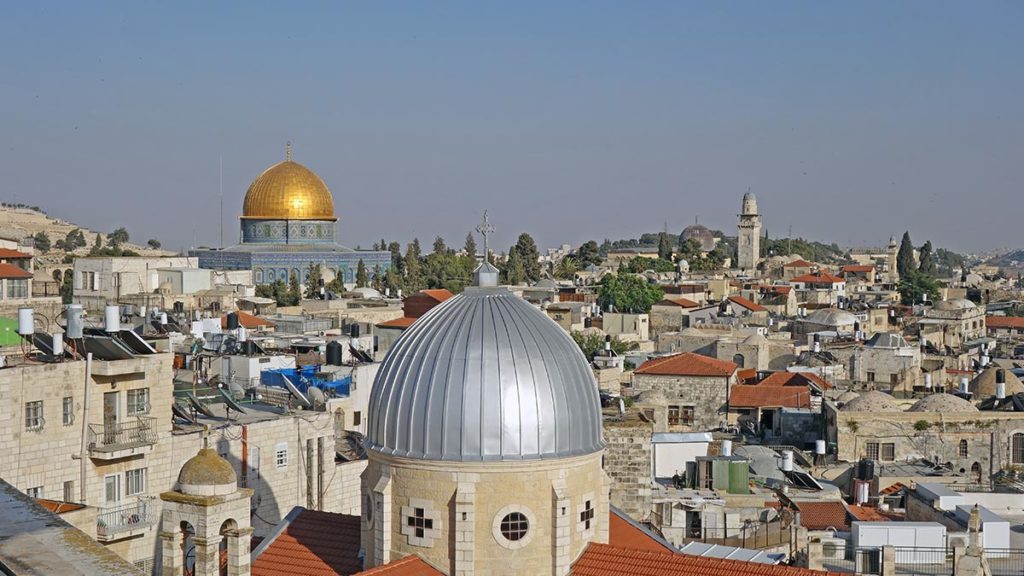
point(206, 509)
point(891, 251)
point(749, 236)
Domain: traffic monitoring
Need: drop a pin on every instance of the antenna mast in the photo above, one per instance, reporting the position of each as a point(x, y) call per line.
point(221, 202)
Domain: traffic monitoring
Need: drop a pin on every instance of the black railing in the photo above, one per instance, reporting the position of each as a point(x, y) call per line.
point(1005, 561)
point(921, 561)
point(139, 431)
point(752, 535)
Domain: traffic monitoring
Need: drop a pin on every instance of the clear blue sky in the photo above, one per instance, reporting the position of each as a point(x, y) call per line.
point(851, 121)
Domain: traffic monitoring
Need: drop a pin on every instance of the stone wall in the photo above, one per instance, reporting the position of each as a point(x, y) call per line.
point(709, 396)
point(627, 462)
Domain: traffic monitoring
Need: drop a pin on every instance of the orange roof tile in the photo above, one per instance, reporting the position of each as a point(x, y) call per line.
point(247, 320)
point(776, 288)
point(855, 268)
point(752, 306)
point(681, 302)
point(687, 364)
point(438, 294)
point(799, 264)
point(605, 560)
point(402, 322)
point(892, 489)
point(1004, 322)
point(407, 566)
point(795, 379)
point(13, 254)
point(625, 534)
point(12, 272)
point(818, 278)
point(823, 515)
point(866, 513)
point(757, 396)
point(746, 375)
point(313, 543)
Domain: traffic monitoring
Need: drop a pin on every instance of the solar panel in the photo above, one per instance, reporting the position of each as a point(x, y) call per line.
point(106, 348)
point(135, 342)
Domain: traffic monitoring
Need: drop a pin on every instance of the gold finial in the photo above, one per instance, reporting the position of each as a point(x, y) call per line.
point(288, 151)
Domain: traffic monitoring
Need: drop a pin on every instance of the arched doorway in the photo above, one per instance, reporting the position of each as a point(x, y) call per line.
point(739, 360)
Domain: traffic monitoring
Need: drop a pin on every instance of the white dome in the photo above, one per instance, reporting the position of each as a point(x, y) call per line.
point(873, 401)
point(484, 376)
point(832, 317)
point(955, 304)
point(942, 402)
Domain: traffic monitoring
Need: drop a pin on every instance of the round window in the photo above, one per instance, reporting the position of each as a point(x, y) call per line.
point(514, 526)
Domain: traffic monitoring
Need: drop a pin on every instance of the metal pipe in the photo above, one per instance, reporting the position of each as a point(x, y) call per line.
point(83, 492)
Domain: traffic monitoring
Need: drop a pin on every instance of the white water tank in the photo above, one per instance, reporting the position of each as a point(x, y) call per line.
point(964, 385)
point(726, 448)
point(819, 447)
point(25, 325)
point(1000, 390)
point(163, 318)
point(142, 311)
point(242, 336)
point(112, 318)
point(928, 380)
point(58, 344)
point(74, 321)
point(787, 460)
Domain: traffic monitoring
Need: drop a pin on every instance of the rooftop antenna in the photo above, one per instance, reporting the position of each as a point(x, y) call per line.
point(222, 202)
point(288, 151)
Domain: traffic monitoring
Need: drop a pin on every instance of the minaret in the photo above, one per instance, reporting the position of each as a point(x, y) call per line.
point(749, 235)
point(890, 256)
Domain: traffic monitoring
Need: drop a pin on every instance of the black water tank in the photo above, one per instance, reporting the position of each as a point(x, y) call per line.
point(232, 321)
point(1000, 376)
point(866, 469)
point(179, 307)
point(334, 356)
point(588, 322)
point(354, 331)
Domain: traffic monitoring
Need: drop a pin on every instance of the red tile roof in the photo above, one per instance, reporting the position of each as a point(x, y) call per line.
point(408, 566)
point(892, 489)
point(312, 544)
point(799, 263)
point(818, 278)
point(681, 302)
point(438, 294)
point(13, 254)
point(624, 534)
point(752, 306)
point(605, 560)
point(866, 513)
point(857, 268)
point(757, 396)
point(1004, 322)
point(687, 364)
point(795, 379)
point(776, 288)
point(12, 272)
point(823, 515)
point(402, 322)
point(247, 320)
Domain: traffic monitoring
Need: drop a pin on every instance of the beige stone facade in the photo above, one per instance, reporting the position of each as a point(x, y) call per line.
point(454, 514)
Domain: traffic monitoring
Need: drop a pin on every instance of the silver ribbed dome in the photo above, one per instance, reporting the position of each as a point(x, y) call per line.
point(484, 376)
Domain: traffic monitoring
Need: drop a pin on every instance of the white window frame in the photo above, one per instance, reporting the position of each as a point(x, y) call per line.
point(135, 482)
point(116, 478)
point(281, 455)
point(35, 492)
point(134, 409)
point(68, 410)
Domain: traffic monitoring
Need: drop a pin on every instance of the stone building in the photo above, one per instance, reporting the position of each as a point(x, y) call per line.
point(749, 235)
point(692, 389)
point(492, 466)
point(669, 315)
point(17, 286)
point(951, 323)
point(287, 225)
point(885, 361)
point(102, 280)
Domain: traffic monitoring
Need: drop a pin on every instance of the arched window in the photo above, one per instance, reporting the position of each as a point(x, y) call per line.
point(1017, 448)
point(963, 448)
point(738, 360)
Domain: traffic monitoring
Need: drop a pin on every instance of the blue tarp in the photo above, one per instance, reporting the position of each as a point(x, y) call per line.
point(305, 377)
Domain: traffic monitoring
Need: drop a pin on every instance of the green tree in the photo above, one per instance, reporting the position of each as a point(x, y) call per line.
point(927, 259)
point(625, 292)
point(470, 246)
point(591, 343)
point(905, 256)
point(439, 245)
point(664, 247)
point(413, 272)
point(97, 246)
point(313, 282)
point(690, 251)
point(361, 280)
point(153, 243)
point(73, 240)
point(914, 285)
point(377, 282)
point(392, 281)
point(589, 253)
point(566, 269)
point(41, 242)
point(514, 272)
point(67, 287)
point(529, 256)
point(639, 264)
point(294, 290)
point(396, 257)
point(118, 237)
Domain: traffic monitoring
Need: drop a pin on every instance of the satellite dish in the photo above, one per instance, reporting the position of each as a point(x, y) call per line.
point(316, 396)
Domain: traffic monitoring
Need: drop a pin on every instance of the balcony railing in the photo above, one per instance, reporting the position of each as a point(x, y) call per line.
point(137, 432)
point(122, 520)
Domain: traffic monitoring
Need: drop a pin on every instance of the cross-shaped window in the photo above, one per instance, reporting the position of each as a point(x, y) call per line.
point(419, 522)
point(587, 515)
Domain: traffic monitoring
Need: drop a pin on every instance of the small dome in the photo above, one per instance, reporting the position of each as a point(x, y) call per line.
point(288, 191)
point(484, 376)
point(368, 293)
point(954, 304)
point(755, 339)
point(691, 331)
point(207, 473)
point(942, 402)
point(847, 397)
point(873, 401)
point(832, 317)
point(984, 384)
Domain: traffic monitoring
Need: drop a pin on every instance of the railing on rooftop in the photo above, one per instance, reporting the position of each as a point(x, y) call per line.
point(139, 431)
point(130, 517)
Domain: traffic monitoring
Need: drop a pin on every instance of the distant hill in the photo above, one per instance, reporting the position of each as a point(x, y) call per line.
point(1013, 259)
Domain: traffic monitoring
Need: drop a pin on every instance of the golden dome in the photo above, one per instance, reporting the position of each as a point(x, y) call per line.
point(288, 191)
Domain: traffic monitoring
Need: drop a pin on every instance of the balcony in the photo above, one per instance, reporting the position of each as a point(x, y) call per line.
point(123, 439)
point(124, 521)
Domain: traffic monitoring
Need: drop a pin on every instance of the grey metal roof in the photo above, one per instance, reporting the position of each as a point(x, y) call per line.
point(484, 376)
